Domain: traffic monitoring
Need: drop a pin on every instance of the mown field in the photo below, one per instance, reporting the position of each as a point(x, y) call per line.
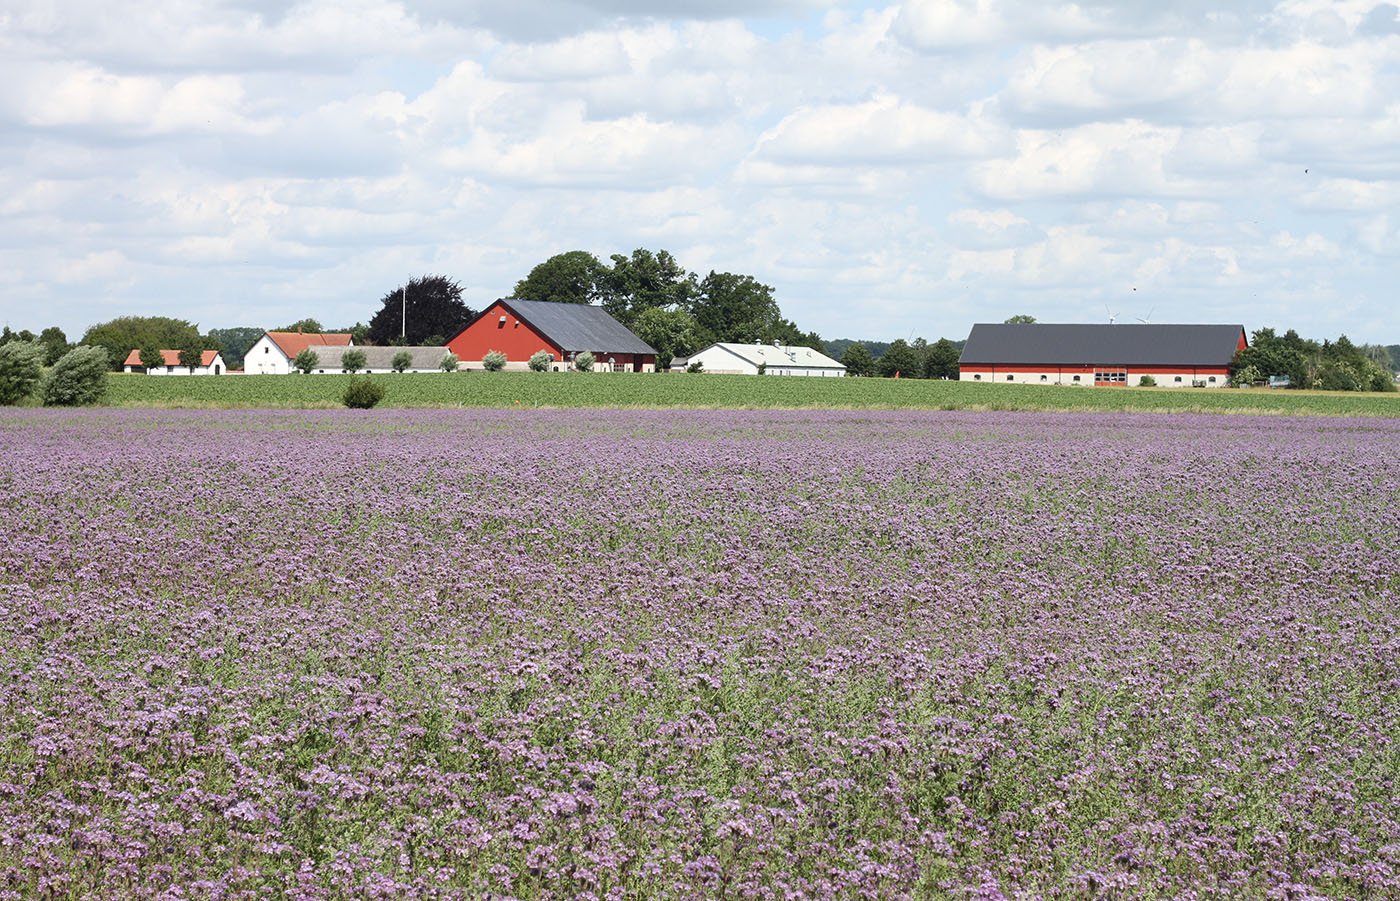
point(698, 654)
point(566, 390)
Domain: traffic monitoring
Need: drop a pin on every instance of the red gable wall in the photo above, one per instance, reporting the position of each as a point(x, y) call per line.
point(515, 338)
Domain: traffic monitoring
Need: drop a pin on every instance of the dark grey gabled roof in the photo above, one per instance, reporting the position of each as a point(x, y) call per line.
point(577, 327)
point(1130, 345)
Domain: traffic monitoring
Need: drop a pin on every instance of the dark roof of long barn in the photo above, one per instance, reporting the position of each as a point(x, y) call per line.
point(577, 327)
point(1070, 344)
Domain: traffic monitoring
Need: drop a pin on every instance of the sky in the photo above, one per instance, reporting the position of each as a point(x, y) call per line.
point(891, 171)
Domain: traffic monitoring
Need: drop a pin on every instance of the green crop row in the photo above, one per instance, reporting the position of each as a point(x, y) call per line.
point(532, 389)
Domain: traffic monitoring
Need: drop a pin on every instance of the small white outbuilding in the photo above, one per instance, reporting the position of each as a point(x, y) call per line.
point(746, 359)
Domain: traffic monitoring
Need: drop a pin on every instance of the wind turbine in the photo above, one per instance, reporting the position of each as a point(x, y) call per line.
point(1112, 316)
point(1147, 320)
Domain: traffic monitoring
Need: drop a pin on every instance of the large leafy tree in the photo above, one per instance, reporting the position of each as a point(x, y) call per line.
point(941, 362)
point(738, 308)
point(572, 277)
point(234, 343)
point(901, 359)
point(21, 363)
point(671, 332)
point(645, 281)
point(433, 305)
point(120, 335)
point(54, 343)
point(858, 360)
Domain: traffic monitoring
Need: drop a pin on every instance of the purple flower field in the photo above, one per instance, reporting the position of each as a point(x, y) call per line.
point(584, 654)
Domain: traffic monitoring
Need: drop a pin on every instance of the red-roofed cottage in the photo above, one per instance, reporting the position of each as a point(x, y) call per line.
point(210, 363)
point(273, 353)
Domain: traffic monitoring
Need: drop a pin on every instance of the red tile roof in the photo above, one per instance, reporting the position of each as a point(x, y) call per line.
point(293, 343)
point(172, 357)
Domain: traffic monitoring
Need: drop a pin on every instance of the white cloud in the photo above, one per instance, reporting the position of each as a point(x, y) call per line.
point(884, 166)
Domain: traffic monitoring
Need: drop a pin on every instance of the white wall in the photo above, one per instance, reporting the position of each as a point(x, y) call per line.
point(266, 358)
point(1052, 377)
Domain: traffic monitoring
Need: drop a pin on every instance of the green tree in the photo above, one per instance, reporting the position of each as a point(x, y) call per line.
point(79, 377)
point(644, 281)
point(494, 361)
point(858, 360)
point(572, 277)
point(1020, 319)
point(539, 361)
point(426, 306)
point(306, 361)
point(151, 357)
point(120, 335)
point(584, 362)
point(234, 343)
point(674, 333)
point(55, 344)
point(352, 360)
point(21, 364)
point(305, 326)
point(901, 359)
point(942, 360)
point(401, 361)
point(449, 362)
point(737, 308)
point(191, 354)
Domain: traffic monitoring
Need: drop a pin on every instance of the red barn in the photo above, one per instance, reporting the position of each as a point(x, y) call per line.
point(1059, 354)
point(521, 328)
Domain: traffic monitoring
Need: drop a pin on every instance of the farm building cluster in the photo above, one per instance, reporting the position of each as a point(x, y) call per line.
point(1029, 353)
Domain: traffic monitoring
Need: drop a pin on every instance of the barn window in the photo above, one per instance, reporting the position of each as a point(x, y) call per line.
point(1076, 378)
point(977, 377)
point(1011, 378)
point(1211, 380)
point(1177, 380)
point(1045, 378)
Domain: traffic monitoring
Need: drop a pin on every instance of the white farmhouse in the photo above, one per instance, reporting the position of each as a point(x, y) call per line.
point(273, 353)
point(210, 363)
point(745, 359)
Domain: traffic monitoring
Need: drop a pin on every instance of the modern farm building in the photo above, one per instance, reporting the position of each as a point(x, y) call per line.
point(1066, 354)
point(746, 359)
point(521, 328)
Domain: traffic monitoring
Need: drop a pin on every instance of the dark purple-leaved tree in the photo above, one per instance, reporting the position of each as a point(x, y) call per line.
point(426, 306)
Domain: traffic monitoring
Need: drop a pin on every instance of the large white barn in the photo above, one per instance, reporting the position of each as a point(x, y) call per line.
point(1179, 356)
point(745, 359)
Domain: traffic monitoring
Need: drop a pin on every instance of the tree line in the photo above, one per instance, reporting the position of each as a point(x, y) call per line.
point(1327, 365)
point(674, 310)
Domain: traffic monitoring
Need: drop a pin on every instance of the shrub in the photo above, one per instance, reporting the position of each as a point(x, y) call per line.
point(584, 362)
point(1147, 381)
point(362, 393)
point(352, 361)
point(494, 361)
point(21, 363)
point(449, 362)
point(401, 361)
point(79, 377)
point(697, 366)
point(540, 360)
point(762, 368)
point(306, 361)
point(1246, 376)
